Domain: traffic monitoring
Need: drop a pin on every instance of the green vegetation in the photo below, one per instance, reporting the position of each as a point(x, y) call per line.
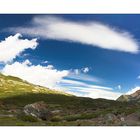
point(80, 117)
point(74, 111)
point(73, 108)
point(27, 118)
point(56, 118)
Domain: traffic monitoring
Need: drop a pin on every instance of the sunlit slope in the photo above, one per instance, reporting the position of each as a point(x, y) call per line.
point(10, 85)
point(134, 97)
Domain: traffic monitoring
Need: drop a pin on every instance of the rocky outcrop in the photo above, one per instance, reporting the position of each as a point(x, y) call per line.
point(132, 97)
point(39, 110)
point(124, 98)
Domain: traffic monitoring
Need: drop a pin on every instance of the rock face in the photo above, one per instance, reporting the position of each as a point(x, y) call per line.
point(132, 97)
point(124, 98)
point(110, 119)
point(38, 110)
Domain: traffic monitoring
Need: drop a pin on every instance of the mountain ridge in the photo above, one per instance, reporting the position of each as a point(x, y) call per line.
point(129, 98)
point(12, 84)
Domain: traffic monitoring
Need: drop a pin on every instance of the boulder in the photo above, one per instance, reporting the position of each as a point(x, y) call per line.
point(110, 117)
point(38, 109)
point(56, 111)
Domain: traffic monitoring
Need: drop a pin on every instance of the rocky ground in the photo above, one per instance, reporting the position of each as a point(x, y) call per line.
point(62, 110)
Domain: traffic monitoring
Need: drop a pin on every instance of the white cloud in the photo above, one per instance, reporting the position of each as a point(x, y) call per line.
point(138, 77)
point(50, 77)
point(77, 75)
point(45, 62)
point(82, 84)
point(76, 71)
point(13, 46)
point(119, 87)
point(50, 67)
point(133, 90)
point(81, 74)
point(91, 32)
point(25, 55)
point(86, 90)
point(85, 70)
point(27, 62)
point(67, 81)
point(41, 75)
point(99, 93)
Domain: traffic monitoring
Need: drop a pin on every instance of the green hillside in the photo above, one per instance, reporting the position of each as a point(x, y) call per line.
point(10, 86)
point(65, 109)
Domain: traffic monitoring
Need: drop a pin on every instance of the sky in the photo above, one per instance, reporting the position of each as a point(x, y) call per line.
point(95, 55)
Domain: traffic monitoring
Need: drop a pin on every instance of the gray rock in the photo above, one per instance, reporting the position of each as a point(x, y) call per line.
point(55, 111)
point(122, 119)
point(110, 117)
point(38, 110)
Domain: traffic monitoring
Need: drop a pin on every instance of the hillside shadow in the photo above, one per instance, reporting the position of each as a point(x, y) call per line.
point(62, 100)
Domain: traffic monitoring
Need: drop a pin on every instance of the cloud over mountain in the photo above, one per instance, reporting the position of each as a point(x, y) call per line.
point(50, 77)
point(40, 75)
point(87, 90)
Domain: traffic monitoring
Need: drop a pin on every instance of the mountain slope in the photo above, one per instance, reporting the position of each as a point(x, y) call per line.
point(129, 98)
point(10, 85)
point(65, 109)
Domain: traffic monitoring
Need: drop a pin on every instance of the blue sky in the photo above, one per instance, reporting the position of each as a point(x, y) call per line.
point(87, 55)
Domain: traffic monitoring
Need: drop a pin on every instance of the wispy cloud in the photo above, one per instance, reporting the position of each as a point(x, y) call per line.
point(87, 90)
point(138, 77)
point(82, 84)
point(81, 74)
point(91, 33)
point(133, 90)
point(98, 93)
point(119, 87)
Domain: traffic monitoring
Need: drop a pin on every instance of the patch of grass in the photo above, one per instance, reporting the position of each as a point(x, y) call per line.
point(15, 121)
point(27, 118)
point(80, 117)
point(56, 119)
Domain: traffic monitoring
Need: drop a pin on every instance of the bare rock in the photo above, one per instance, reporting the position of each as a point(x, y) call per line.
point(56, 111)
point(38, 109)
point(110, 116)
point(111, 119)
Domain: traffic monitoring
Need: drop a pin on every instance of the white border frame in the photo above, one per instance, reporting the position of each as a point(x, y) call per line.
point(69, 7)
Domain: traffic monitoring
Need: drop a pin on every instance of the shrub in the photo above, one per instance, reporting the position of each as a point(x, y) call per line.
point(72, 117)
point(27, 118)
point(80, 117)
point(56, 119)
